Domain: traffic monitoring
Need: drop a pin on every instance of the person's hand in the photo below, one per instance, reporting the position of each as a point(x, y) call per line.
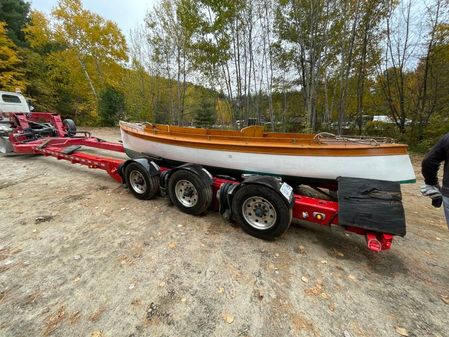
point(431, 191)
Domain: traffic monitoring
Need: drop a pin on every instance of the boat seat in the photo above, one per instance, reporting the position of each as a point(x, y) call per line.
point(252, 131)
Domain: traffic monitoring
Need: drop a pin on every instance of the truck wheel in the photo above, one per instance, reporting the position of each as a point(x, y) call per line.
point(70, 127)
point(140, 183)
point(261, 212)
point(189, 192)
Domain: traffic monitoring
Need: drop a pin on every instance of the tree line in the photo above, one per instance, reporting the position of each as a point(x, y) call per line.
point(294, 65)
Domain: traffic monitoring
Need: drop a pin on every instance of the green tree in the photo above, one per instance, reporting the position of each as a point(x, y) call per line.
point(15, 13)
point(204, 112)
point(112, 106)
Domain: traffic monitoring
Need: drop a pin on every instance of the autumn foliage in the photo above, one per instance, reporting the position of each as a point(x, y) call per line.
point(292, 65)
point(11, 74)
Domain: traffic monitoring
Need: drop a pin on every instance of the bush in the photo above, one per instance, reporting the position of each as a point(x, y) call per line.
point(434, 130)
point(381, 129)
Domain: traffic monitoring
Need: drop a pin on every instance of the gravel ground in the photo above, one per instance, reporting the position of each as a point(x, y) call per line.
point(80, 256)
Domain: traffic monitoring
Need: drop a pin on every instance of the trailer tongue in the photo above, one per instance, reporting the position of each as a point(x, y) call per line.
point(263, 206)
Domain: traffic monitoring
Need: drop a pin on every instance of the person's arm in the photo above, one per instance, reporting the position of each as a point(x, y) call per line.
point(433, 159)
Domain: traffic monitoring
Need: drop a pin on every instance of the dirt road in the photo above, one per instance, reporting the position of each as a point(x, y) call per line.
point(80, 256)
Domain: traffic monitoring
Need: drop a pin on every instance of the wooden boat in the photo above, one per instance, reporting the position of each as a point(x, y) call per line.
point(252, 150)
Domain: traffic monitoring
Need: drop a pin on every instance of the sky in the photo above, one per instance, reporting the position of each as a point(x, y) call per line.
point(128, 14)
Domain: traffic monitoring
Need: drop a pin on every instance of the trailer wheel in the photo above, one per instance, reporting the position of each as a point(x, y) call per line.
point(189, 192)
point(261, 212)
point(140, 183)
point(70, 127)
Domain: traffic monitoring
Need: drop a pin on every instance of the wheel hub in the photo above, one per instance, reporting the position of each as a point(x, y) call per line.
point(259, 213)
point(137, 182)
point(186, 193)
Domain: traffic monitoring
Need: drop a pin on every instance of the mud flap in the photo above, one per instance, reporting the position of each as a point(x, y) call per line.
point(374, 205)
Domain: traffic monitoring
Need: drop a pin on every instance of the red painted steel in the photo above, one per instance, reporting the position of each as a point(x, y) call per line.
point(33, 146)
point(48, 117)
point(308, 209)
point(318, 211)
point(110, 165)
point(54, 147)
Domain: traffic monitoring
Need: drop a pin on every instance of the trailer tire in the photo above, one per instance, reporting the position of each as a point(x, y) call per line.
point(261, 212)
point(70, 127)
point(190, 193)
point(140, 183)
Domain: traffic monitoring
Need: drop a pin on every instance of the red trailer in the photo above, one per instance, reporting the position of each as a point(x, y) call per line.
point(263, 205)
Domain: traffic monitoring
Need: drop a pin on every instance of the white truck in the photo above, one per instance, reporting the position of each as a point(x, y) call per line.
point(11, 102)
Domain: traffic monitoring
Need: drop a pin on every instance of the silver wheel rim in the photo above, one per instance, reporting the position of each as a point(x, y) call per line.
point(137, 181)
point(186, 193)
point(259, 213)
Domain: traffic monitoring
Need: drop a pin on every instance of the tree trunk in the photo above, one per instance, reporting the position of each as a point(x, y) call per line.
point(89, 80)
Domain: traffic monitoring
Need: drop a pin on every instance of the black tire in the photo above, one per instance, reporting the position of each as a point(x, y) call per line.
point(274, 215)
point(194, 195)
point(70, 127)
point(140, 183)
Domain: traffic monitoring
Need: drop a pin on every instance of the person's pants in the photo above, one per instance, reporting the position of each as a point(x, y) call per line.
point(446, 209)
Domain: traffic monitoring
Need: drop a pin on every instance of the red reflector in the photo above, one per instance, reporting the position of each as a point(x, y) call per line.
point(374, 245)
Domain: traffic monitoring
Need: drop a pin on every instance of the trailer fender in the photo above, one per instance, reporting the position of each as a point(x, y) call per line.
point(227, 191)
point(196, 169)
point(200, 171)
point(150, 166)
point(273, 183)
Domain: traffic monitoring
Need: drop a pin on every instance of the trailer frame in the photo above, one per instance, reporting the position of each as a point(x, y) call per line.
point(62, 145)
